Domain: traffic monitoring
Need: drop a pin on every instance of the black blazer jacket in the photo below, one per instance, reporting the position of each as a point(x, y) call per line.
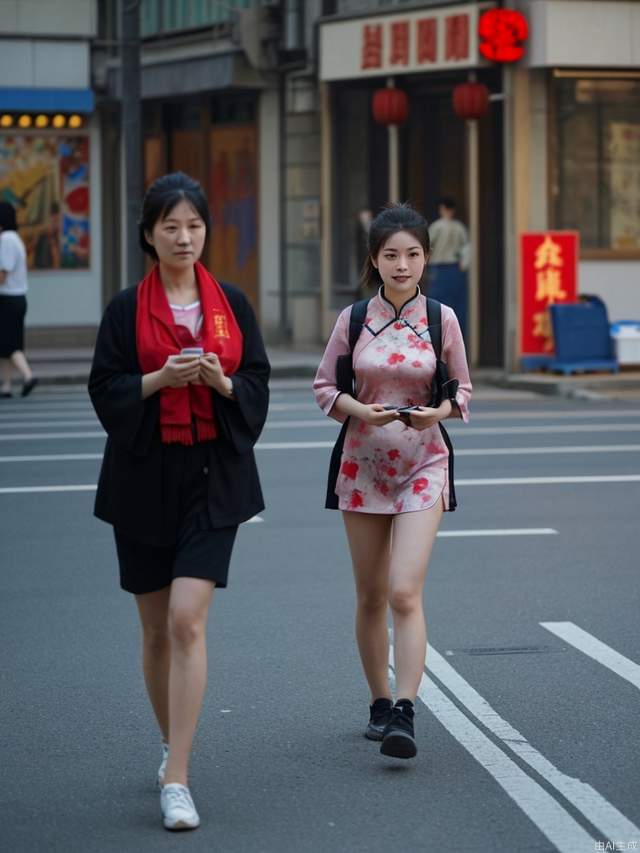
point(130, 488)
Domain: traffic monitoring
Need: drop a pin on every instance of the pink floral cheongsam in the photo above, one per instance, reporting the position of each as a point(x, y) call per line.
point(393, 468)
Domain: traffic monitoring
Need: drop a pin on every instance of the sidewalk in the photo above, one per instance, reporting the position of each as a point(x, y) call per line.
point(71, 367)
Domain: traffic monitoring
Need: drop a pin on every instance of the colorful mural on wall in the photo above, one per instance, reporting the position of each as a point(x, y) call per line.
point(47, 179)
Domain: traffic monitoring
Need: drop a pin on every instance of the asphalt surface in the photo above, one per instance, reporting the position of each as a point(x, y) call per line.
point(527, 725)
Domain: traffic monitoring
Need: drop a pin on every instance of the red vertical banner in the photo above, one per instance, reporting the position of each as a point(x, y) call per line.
point(548, 275)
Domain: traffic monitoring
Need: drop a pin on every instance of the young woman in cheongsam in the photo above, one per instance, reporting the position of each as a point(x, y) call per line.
point(392, 485)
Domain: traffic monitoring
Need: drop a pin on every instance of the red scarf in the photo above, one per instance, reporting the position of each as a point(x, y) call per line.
point(158, 336)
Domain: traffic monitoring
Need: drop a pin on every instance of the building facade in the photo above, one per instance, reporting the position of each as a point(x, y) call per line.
point(558, 149)
point(268, 104)
point(50, 161)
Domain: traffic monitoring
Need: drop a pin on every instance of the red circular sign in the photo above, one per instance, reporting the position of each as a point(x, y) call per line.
point(502, 35)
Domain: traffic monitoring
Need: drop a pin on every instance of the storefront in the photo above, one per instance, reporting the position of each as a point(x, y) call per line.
point(214, 138)
point(558, 149)
point(584, 76)
point(49, 171)
point(214, 117)
point(425, 53)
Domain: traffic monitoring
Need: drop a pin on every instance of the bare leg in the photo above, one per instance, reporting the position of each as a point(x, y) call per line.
point(188, 608)
point(412, 540)
point(369, 538)
point(153, 608)
point(5, 367)
point(21, 364)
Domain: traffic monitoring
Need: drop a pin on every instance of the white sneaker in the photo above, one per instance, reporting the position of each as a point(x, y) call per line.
point(163, 764)
point(178, 811)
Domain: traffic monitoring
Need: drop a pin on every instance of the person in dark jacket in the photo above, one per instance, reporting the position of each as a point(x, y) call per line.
point(179, 383)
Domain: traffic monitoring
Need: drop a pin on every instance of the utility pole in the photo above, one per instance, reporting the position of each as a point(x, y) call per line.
point(131, 122)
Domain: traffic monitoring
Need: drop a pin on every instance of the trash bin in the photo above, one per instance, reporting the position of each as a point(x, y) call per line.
point(626, 339)
point(582, 337)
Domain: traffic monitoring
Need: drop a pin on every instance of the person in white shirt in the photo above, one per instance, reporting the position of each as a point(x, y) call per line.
point(449, 261)
point(13, 303)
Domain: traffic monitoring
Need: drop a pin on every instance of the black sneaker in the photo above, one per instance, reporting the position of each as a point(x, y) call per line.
point(379, 716)
point(28, 387)
point(398, 739)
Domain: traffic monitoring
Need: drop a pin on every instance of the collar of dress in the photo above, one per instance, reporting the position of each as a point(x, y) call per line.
point(388, 309)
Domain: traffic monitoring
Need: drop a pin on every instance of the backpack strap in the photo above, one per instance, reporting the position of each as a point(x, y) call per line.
point(434, 316)
point(356, 321)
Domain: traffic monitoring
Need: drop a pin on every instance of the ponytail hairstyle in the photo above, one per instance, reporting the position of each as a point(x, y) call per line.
point(390, 220)
point(160, 199)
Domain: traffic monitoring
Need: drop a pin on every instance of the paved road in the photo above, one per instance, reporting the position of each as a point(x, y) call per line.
point(528, 720)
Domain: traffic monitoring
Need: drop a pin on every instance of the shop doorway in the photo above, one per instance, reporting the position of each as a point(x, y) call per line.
point(434, 164)
point(215, 140)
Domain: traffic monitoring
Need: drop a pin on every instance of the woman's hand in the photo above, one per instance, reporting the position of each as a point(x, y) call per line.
point(425, 416)
point(375, 414)
point(179, 371)
point(211, 374)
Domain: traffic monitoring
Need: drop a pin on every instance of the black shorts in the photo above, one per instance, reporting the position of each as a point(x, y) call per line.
point(12, 313)
point(200, 552)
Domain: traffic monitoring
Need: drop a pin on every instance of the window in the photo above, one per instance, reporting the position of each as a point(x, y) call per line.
point(168, 16)
point(596, 161)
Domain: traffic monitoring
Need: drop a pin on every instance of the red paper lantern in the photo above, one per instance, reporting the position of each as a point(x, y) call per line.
point(470, 100)
point(502, 33)
point(390, 106)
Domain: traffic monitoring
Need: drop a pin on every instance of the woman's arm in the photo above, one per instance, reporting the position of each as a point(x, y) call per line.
point(242, 410)
point(116, 381)
point(337, 404)
point(455, 357)
point(324, 384)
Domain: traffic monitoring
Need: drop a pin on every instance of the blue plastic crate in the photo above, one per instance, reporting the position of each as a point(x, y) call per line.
point(582, 337)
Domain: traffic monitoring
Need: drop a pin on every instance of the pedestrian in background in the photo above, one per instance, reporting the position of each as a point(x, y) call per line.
point(179, 473)
point(13, 303)
point(391, 481)
point(449, 261)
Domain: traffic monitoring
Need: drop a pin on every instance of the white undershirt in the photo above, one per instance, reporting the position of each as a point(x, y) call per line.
point(13, 261)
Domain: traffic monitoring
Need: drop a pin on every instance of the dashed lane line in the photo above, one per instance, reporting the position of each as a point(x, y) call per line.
point(325, 445)
point(493, 481)
point(467, 432)
point(597, 650)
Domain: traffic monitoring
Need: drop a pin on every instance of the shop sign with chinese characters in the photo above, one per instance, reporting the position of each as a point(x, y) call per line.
point(426, 40)
point(548, 275)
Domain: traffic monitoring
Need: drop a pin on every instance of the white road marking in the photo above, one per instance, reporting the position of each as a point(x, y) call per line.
point(498, 415)
point(51, 436)
point(21, 414)
point(89, 420)
point(456, 431)
point(596, 649)
point(506, 481)
point(544, 451)
point(548, 481)
point(540, 429)
point(598, 811)
point(562, 830)
point(28, 490)
point(294, 445)
point(52, 457)
point(325, 445)
point(515, 531)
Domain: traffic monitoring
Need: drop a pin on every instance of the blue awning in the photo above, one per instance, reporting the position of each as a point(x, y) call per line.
point(47, 100)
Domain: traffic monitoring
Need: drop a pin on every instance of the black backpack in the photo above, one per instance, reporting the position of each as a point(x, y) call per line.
point(441, 388)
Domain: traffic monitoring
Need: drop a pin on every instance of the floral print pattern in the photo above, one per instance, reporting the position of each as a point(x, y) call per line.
point(394, 468)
